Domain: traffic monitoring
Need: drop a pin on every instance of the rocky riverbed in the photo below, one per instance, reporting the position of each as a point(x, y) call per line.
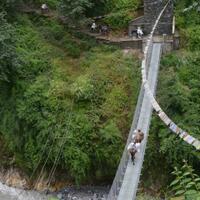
point(15, 185)
point(83, 193)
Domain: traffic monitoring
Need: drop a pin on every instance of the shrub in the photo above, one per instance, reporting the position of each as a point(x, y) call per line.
point(82, 89)
point(192, 35)
point(8, 58)
point(118, 19)
point(50, 28)
point(121, 5)
point(186, 182)
point(73, 50)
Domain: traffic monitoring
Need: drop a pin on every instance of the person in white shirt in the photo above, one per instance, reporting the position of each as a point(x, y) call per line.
point(133, 148)
point(139, 32)
point(94, 26)
point(44, 8)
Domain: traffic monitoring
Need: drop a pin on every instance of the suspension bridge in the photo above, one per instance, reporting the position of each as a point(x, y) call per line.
point(157, 20)
point(126, 181)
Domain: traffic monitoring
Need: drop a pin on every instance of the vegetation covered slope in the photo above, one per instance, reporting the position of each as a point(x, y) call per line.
point(65, 96)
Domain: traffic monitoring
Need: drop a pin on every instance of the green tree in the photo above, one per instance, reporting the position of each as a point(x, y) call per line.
point(75, 11)
point(8, 61)
point(9, 6)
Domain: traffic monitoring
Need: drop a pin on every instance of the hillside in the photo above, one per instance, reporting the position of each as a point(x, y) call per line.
point(67, 102)
point(67, 99)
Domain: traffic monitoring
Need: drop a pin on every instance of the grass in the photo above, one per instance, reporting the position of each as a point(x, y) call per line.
point(146, 197)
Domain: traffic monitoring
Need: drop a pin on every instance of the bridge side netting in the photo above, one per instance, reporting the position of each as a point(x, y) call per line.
point(115, 188)
point(163, 116)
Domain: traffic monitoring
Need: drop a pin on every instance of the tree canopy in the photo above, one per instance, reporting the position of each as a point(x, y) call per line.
point(8, 61)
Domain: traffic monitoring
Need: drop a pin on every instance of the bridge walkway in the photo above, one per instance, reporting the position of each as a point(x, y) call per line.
point(132, 174)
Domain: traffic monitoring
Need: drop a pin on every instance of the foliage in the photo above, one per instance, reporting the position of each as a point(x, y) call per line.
point(113, 5)
point(8, 60)
point(193, 38)
point(9, 6)
point(120, 13)
point(188, 24)
point(57, 35)
point(146, 197)
point(118, 20)
point(98, 8)
point(79, 107)
point(186, 181)
point(75, 11)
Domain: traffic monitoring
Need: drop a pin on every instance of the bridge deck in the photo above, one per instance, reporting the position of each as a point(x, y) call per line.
point(132, 175)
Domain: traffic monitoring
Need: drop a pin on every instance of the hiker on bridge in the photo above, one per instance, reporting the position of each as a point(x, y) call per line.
point(139, 32)
point(138, 136)
point(134, 146)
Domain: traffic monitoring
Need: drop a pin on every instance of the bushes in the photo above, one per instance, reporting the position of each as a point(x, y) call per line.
point(56, 34)
point(121, 13)
point(83, 89)
point(60, 100)
point(186, 183)
point(118, 20)
point(75, 11)
point(114, 5)
point(10, 6)
point(8, 58)
point(189, 26)
point(192, 36)
point(73, 50)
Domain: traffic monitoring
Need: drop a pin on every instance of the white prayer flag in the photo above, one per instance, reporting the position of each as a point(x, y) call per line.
point(155, 105)
point(183, 134)
point(173, 127)
point(164, 118)
point(189, 139)
point(196, 144)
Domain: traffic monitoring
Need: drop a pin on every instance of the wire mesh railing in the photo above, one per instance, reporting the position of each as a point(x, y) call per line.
point(118, 180)
point(115, 188)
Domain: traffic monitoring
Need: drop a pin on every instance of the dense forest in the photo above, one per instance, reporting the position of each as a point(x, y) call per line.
point(67, 102)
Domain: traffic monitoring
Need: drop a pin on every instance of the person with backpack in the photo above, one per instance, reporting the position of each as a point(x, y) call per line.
point(133, 148)
point(138, 136)
point(139, 33)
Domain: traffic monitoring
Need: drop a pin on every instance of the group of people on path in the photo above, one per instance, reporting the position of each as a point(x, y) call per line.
point(138, 32)
point(135, 143)
point(103, 29)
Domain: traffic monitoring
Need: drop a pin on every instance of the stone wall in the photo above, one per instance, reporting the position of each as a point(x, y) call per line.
point(124, 44)
point(152, 8)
